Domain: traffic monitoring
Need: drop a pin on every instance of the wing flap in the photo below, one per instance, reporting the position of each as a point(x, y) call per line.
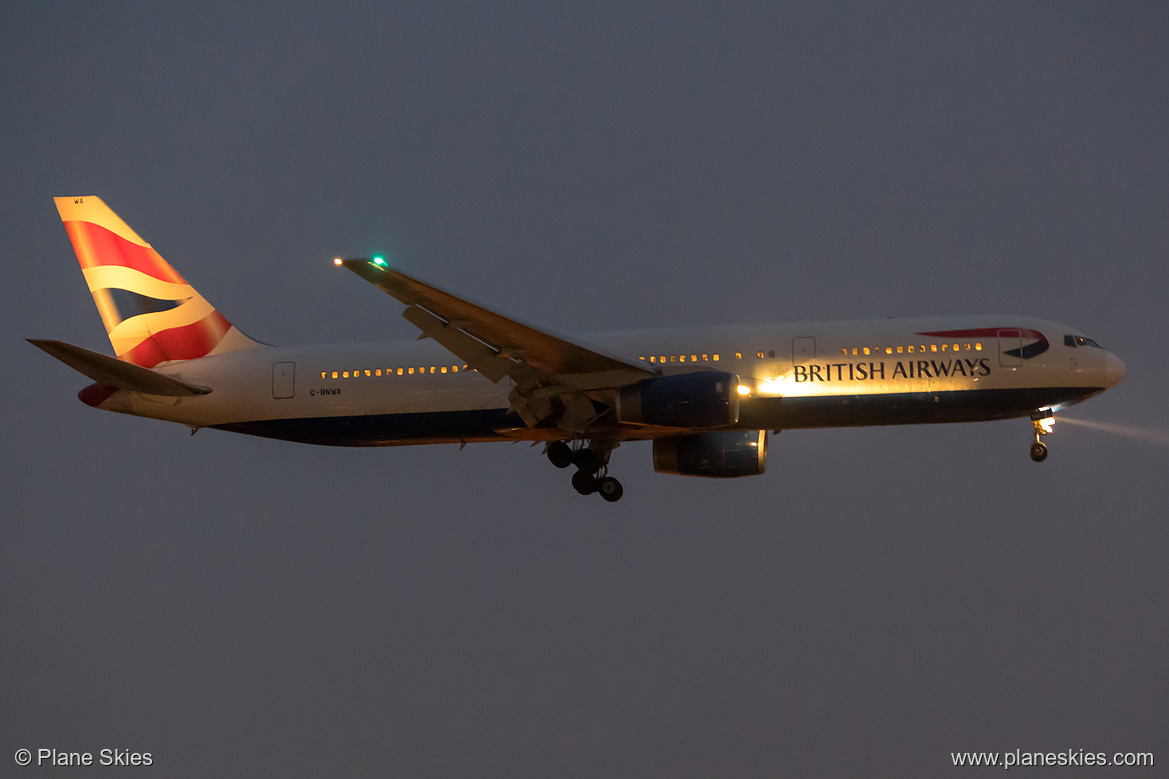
point(472, 351)
point(119, 374)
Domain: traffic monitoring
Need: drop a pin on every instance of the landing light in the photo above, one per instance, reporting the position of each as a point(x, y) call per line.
point(337, 261)
point(744, 389)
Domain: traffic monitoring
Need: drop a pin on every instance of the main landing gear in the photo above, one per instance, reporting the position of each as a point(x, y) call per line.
point(1043, 420)
point(592, 464)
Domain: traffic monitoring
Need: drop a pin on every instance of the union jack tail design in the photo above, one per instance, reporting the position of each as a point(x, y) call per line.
point(151, 313)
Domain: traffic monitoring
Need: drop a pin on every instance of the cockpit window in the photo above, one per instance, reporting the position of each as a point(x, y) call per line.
point(1079, 340)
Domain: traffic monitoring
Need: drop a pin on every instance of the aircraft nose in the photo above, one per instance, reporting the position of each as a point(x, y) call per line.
point(1113, 370)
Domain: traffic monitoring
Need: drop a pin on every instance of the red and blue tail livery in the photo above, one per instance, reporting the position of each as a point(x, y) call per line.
point(705, 397)
point(151, 313)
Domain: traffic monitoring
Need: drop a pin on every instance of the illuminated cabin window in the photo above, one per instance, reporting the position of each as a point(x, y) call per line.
point(673, 358)
point(641, 358)
point(911, 348)
point(921, 347)
point(682, 358)
point(706, 358)
point(454, 369)
point(345, 374)
point(966, 347)
point(944, 347)
point(978, 346)
point(324, 374)
point(738, 355)
point(334, 374)
point(662, 358)
point(432, 369)
point(888, 350)
point(955, 347)
point(368, 373)
point(759, 355)
point(901, 350)
point(653, 358)
point(865, 350)
point(933, 347)
point(694, 358)
point(716, 358)
point(411, 371)
point(443, 370)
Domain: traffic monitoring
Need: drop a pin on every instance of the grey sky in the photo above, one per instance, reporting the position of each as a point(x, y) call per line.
point(879, 599)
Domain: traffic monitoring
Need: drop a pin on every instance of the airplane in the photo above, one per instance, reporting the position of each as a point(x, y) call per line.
point(705, 397)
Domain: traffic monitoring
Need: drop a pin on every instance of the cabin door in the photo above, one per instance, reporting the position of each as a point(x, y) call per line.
point(283, 380)
point(1010, 348)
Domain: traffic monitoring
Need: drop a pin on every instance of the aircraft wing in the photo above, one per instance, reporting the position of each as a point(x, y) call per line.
point(493, 344)
point(541, 365)
point(119, 374)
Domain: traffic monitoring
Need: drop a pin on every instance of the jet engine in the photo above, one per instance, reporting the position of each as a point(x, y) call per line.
point(721, 455)
point(700, 399)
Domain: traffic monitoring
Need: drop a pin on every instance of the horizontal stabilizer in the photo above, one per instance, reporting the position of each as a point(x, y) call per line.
point(116, 373)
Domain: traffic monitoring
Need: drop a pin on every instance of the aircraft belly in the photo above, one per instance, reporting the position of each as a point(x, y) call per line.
point(386, 429)
point(904, 408)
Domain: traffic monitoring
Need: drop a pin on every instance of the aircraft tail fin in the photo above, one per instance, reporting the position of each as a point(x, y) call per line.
point(151, 314)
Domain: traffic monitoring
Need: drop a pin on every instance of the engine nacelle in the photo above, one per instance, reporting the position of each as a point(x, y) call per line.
point(720, 455)
point(700, 399)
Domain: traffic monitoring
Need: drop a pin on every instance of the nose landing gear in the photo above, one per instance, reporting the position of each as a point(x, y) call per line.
point(1043, 421)
point(592, 463)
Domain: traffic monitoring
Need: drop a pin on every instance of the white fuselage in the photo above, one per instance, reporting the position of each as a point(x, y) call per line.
point(809, 374)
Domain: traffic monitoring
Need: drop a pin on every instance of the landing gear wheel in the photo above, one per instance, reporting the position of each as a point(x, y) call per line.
point(610, 489)
point(559, 454)
point(1038, 451)
point(584, 483)
point(587, 460)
